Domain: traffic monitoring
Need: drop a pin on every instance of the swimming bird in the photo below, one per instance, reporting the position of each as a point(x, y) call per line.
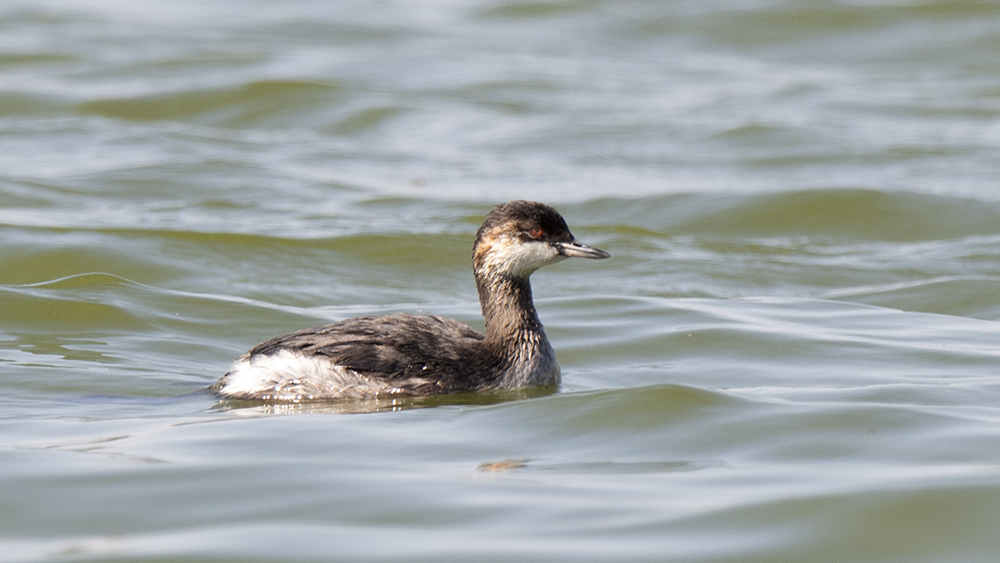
point(416, 355)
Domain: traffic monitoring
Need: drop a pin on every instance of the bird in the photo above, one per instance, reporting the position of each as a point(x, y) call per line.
point(421, 354)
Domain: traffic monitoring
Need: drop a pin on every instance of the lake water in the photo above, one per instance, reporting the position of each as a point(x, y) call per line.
point(792, 355)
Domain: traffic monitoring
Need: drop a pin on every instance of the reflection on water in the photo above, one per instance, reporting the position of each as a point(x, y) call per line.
point(596, 467)
point(380, 403)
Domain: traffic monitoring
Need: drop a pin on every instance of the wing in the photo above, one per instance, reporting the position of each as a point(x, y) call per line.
point(400, 346)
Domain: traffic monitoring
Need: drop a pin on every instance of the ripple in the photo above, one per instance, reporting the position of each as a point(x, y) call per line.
point(240, 104)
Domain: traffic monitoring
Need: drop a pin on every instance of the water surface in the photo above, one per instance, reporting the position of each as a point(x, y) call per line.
point(792, 355)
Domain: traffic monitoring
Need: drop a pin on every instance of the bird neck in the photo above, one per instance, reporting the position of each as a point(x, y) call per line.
point(508, 308)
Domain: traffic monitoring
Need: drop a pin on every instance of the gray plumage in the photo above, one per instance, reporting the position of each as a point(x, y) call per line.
point(406, 354)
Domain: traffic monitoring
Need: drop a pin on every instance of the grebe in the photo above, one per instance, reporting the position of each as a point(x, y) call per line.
point(403, 354)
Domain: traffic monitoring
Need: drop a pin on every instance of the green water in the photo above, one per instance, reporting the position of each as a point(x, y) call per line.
point(791, 356)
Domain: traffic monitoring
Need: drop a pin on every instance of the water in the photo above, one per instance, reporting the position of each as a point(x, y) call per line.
point(791, 356)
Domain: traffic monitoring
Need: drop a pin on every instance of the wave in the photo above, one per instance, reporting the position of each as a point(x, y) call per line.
point(843, 213)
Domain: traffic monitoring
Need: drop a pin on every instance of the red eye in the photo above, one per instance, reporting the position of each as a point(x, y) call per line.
point(536, 232)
